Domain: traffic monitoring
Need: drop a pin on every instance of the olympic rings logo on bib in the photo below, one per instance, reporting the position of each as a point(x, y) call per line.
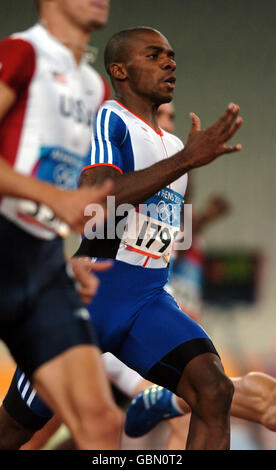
point(153, 226)
point(167, 212)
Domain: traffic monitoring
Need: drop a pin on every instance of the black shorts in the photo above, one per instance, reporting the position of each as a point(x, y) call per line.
point(41, 314)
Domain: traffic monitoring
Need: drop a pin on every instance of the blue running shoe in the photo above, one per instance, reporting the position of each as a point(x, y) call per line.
point(147, 409)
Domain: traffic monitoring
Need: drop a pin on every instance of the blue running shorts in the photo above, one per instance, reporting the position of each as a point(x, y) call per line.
point(140, 323)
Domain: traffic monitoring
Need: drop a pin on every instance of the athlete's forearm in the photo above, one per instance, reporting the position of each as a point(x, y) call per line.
point(202, 147)
point(137, 186)
point(16, 185)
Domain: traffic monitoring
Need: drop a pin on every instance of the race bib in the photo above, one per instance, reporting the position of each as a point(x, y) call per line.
point(153, 226)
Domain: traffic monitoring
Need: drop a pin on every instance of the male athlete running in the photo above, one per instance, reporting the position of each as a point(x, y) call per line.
point(148, 331)
point(135, 317)
point(48, 95)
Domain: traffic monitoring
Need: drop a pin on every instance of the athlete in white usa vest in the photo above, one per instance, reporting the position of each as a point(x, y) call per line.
point(47, 99)
point(54, 89)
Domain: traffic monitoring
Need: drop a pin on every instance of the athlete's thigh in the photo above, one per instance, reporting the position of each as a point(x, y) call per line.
point(162, 341)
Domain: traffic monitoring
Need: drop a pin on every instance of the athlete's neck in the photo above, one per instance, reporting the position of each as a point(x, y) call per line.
point(72, 36)
point(141, 108)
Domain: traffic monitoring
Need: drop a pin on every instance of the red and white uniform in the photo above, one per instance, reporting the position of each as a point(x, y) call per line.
point(47, 132)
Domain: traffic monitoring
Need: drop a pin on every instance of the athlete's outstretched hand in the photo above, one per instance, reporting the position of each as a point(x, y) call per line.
point(70, 205)
point(205, 145)
point(87, 282)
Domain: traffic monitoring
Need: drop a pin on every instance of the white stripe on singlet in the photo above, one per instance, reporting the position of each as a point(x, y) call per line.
point(31, 397)
point(22, 377)
point(106, 134)
point(101, 148)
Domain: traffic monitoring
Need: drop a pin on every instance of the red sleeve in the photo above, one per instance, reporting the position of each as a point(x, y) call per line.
point(17, 63)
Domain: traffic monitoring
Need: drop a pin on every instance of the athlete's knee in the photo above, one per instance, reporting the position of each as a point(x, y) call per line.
point(101, 422)
point(209, 390)
point(217, 394)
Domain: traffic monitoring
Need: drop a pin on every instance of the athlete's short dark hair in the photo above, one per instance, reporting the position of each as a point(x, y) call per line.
point(116, 49)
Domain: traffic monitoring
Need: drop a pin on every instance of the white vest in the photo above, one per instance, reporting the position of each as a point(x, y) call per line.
point(124, 141)
point(58, 113)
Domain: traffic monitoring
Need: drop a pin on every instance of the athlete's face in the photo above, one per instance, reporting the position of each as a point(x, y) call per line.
point(151, 66)
point(88, 14)
point(166, 116)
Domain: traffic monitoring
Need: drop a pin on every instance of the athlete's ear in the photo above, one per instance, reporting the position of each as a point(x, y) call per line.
point(118, 71)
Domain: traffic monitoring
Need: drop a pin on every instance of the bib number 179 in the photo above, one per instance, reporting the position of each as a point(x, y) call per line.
point(162, 233)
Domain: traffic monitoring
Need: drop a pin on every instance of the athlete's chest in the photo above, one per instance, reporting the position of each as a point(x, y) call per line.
point(150, 147)
point(66, 95)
